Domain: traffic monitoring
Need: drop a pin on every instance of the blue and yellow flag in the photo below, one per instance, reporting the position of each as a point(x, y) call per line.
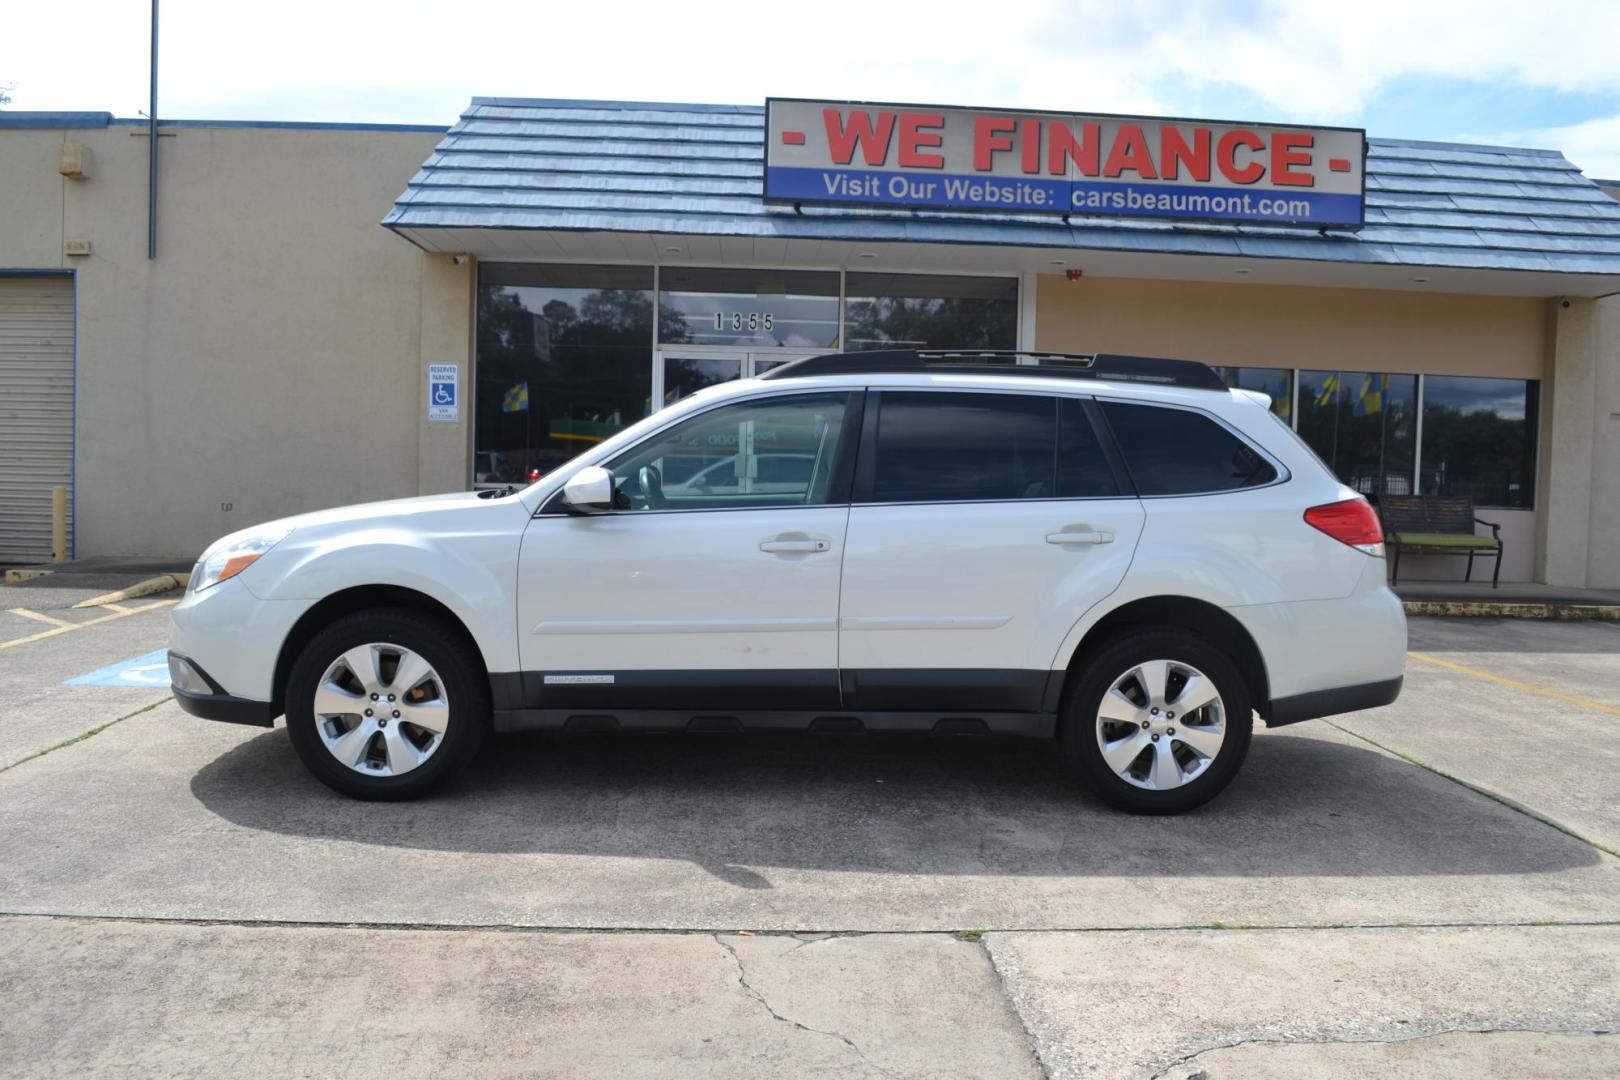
point(1371, 400)
point(516, 399)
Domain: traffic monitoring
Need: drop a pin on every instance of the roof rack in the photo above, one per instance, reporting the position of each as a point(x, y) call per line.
point(1187, 374)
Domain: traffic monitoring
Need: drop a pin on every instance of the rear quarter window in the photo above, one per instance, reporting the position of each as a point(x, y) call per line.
point(1179, 452)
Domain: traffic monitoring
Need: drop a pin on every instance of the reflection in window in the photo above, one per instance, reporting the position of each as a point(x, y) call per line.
point(1479, 438)
point(763, 308)
point(941, 447)
point(916, 311)
point(1176, 452)
point(683, 376)
point(1277, 382)
point(564, 361)
point(1361, 425)
point(776, 452)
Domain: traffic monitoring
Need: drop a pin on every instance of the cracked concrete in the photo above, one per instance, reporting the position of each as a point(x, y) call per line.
point(1524, 1055)
point(1139, 1003)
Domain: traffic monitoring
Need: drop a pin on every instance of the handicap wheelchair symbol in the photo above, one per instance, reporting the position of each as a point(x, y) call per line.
point(443, 394)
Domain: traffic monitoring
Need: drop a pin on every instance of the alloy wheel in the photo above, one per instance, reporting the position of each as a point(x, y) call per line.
point(1161, 724)
point(381, 709)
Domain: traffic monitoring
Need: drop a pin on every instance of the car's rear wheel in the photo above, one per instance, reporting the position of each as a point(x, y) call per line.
point(1158, 722)
point(387, 704)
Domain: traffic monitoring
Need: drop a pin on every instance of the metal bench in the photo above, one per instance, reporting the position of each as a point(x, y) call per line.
point(1437, 525)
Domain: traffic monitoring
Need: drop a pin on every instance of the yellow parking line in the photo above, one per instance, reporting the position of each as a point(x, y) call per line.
point(1510, 682)
point(70, 627)
point(120, 608)
point(38, 615)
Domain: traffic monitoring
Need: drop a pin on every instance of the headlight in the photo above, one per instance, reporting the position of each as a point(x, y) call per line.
point(217, 566)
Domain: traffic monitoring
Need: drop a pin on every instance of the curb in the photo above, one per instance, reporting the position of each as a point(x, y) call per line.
point(161, 583)
point(1506, 610)
point(25, 574)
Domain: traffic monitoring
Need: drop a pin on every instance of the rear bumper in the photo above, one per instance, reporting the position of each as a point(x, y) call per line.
point(1342, 699)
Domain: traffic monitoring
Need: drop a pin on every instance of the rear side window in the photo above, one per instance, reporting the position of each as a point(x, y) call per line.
point(1177, 452)
point(1083, 472)
point(947, 447)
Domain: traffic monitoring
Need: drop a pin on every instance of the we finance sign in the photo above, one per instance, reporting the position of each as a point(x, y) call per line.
point(1059, 163)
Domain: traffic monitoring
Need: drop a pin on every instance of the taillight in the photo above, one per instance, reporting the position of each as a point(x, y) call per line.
point(1353, 522)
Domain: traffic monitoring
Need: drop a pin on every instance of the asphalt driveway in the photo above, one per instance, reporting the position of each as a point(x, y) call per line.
point(1430, 883)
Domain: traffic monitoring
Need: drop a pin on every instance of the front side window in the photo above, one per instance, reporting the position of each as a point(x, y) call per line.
point(1363, 426)
point(949, 447)
point(926, 311)
point(1479, 439)
point(1177, 452)
point(777, 451)
point(564, 362)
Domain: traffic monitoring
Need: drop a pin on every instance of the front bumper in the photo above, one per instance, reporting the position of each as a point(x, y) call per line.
point(198, 694)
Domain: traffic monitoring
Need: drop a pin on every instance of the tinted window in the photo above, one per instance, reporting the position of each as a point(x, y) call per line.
point(772, 452)
point(1083, 472)
point(1363, 425)
point(1479, 439)
point(917, 311)
point(965, 447)
point(564, 362)
point(1176, 452)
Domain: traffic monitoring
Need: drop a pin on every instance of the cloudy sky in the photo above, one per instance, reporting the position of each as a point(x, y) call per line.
point(1543, 74)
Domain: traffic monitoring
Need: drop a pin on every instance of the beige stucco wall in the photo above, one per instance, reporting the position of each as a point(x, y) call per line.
point(270, 359)
point(1321, 328)
point(1603, 543)
point(1295, 327)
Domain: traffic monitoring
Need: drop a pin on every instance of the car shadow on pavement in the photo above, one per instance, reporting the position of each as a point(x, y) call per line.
point(972, 805)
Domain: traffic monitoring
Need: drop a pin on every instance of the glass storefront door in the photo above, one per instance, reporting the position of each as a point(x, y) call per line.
point(681, 372)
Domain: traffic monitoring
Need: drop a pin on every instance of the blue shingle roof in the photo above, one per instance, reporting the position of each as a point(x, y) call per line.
point(513, 163)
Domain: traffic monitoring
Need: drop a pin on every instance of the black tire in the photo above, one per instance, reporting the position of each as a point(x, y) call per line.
point(454, 661)
point(1079, 725)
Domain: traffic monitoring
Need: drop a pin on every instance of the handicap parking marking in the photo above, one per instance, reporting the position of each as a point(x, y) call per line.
point(150, 670)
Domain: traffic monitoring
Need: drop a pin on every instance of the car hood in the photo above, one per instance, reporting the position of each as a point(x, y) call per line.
point(394, 511)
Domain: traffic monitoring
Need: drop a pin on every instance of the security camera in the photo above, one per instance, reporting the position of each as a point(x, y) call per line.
point(461, 260)
point(1563, 301)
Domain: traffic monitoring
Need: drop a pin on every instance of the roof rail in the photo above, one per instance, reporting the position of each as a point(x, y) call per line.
point(1187, 374)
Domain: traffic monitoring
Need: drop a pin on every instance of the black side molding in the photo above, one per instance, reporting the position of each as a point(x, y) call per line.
point(1343, 699)
point(231, 710)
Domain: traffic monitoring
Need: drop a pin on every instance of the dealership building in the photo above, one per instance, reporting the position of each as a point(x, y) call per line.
point(327, 314)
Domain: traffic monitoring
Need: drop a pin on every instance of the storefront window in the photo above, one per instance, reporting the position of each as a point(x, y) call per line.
point(915, 311)
point(759, 308)
point(1361, 425)
point(1479, 438)
point(564, 361)
point(1278, 382)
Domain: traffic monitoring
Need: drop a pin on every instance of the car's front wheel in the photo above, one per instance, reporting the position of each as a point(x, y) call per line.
point(1158, 722)
point(387, 704)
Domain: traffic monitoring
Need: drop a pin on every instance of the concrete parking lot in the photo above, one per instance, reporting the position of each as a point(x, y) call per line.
point(1428, 889)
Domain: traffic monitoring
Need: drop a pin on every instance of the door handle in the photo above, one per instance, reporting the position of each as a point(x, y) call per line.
point(793, 547)
point(1079, 536)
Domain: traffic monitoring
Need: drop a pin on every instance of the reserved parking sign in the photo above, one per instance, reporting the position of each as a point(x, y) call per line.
point(444, 393)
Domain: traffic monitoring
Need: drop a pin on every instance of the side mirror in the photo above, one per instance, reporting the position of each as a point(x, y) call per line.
point(589, 489)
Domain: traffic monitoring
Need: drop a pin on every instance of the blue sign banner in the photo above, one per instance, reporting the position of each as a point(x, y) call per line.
point(918, 156)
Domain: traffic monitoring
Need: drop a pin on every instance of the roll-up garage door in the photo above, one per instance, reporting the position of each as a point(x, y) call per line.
point(36, 410)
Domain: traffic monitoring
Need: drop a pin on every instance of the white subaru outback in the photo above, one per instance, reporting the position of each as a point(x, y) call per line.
point(1118, 552)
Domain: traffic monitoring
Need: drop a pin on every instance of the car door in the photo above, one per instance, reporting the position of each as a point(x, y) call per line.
point(692, 594)
point(983, 525)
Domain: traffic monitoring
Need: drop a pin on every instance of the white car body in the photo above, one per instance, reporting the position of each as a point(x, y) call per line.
point(889, 616)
